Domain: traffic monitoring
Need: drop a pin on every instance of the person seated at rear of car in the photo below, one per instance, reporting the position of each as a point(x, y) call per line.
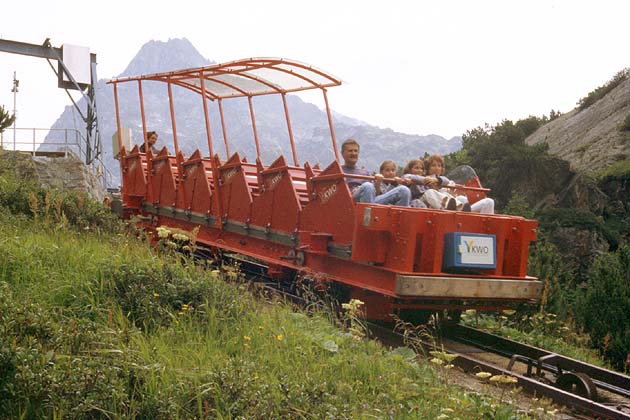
point(152, 137)
point(437, 197)
point(418, 183)
point(384, 192)
point(435, 166)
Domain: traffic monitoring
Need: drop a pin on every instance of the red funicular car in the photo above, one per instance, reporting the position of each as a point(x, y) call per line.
point(297, 219)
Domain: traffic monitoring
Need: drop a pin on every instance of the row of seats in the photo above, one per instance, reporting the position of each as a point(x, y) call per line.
point(251, 170)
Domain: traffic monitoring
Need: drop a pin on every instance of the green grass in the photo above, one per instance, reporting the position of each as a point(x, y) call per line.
point(620, 169)
point(96, 324)
point(539, 330)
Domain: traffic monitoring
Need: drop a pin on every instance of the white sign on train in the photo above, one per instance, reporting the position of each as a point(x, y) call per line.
point(476, 249)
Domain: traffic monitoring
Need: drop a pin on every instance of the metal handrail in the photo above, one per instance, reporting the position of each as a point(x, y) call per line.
point(73, 141)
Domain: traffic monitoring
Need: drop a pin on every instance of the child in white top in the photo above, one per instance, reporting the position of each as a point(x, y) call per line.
point(441, 199)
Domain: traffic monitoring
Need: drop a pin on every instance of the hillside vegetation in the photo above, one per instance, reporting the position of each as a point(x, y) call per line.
point(582, 252)
point(95, 324)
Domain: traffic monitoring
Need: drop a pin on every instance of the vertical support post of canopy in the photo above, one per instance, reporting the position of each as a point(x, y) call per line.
point(118, 128)
point(144, 122)
point(202, 82)
point(215, 172)
point(251, 113)
point(146, 143)
point(330, 124)
point(225, 140)
point(286, 113)
point(173, 123)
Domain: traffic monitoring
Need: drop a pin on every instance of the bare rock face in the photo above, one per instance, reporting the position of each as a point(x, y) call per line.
point(590, 139)
point(68, 174)
point(60, 173)
point(582, 192)
point(579, 247)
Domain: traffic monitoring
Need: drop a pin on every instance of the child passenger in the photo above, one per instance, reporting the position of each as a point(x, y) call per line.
point(418, 183)
point(380, 192)
point(435, 166)
point(441, 199)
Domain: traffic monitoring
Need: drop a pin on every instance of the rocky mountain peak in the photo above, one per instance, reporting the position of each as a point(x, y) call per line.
point(182, 54)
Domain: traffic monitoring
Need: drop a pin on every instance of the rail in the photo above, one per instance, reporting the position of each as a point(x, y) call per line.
point(395, 181)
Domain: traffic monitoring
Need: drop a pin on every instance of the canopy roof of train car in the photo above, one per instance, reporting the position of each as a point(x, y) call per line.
point(246, 77)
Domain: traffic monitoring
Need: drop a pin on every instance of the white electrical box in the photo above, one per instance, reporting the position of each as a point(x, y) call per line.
point(126, 141)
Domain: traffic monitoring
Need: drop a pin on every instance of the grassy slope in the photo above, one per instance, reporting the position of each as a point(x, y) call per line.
point(101, 326)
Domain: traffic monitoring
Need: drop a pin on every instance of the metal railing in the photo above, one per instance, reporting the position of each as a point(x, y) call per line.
point(31, 140)
point(59, 143)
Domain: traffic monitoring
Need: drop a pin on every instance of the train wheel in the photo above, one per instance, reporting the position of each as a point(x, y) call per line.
point(453, 316)
point(577, 383)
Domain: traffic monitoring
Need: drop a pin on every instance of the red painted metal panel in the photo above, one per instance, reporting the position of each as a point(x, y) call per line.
point(164, 180)
point(134, 168)
point(197, 181)
point(331, 209)
point(236, 197)
point(278, 206)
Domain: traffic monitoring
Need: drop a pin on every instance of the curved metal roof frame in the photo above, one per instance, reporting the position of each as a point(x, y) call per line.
point(246, 77)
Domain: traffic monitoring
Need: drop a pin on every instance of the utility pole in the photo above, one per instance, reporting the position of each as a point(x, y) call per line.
point(16, 83)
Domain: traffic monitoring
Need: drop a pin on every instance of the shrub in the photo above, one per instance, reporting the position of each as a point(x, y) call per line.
point(561, 217)
point(559, 293)
point(601, 91)
point(74, 209)
point(607, 304)
point(48, 360)
point(625, 125)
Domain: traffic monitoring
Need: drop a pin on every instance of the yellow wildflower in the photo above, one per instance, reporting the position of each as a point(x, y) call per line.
point(180, 237)
point(279, 337)
point(504, 379)
point(156, 294)
point(163, 232)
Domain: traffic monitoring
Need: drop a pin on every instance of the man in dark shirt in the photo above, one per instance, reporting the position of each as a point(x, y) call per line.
point(350, 153)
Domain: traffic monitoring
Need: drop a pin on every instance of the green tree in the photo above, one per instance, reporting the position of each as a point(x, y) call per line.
point(6, 119)
point(606, 305)
point(506, 164)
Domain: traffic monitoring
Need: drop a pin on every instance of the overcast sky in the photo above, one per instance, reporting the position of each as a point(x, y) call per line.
point(418, 67)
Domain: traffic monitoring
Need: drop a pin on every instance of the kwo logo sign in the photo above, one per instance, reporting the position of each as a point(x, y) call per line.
point(328, 193)
point(476, 249)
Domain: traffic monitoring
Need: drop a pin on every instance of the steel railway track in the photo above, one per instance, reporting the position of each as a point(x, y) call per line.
point(578, 382)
